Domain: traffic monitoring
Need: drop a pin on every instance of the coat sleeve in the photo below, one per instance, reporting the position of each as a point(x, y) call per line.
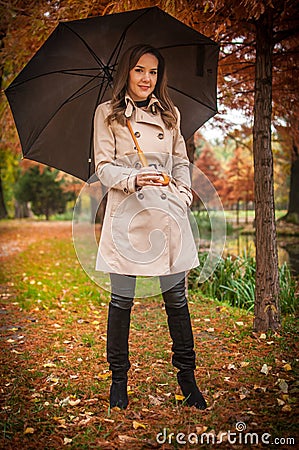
point(180, 167)
point(109, 171)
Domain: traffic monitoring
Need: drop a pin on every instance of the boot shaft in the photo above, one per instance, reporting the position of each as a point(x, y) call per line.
point(118, 329)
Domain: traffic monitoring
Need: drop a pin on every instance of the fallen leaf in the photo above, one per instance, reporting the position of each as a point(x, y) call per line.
point(49, 364)
point(286, 408)
point(74, 402)
point(263, 336)
point(137, 425)
point(280, 402)
point(124, 438)
point(283, 386)
point(256, 387)
point(210, 330)
point(244, 364)
point(231, 367)
point(287, 367)
point(179, 397)
point(265, 369)
point(29, 430)
point(219, 394)
point(154, 400)
point(201, 429)
point(103, 376)
point(52, 379)
point(67, 441)
point(240, 324)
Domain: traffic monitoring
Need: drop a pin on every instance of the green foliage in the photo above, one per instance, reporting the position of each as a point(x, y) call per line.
point(203, 221)
point(233, 282)
point(43, 191)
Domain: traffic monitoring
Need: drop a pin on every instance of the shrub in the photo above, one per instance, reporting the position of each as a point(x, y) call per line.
point(233, 282)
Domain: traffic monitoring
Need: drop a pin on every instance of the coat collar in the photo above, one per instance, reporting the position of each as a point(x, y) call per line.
point(131, 106)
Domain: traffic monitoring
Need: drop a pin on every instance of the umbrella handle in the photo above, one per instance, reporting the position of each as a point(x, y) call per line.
point(142, 157)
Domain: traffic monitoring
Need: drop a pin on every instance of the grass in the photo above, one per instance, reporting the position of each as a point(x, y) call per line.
point(62, 318)
point(234, 282)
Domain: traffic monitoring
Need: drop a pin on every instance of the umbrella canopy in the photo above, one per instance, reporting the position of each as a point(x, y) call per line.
point(55, 96)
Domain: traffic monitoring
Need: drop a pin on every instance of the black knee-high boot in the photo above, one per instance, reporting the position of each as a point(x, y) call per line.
point(183, 354)
point(118, 354)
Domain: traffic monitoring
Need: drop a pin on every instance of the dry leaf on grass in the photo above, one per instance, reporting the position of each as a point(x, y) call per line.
point(137, 425)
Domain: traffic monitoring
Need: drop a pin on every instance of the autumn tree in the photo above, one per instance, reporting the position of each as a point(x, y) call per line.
point(208, 164)
point(239, 175)
point(261, 31)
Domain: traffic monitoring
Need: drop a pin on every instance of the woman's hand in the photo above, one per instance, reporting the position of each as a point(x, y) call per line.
point(149, 177)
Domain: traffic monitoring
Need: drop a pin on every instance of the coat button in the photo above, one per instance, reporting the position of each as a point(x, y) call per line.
point(163, 196)
point(140, 196)
point(137, 134)
point(137, 165)
point(161, 136)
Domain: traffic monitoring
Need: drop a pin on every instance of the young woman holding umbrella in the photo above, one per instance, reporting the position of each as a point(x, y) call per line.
point(146, 230)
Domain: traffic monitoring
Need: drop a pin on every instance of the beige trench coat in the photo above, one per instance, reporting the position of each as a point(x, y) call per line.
point(146, 231)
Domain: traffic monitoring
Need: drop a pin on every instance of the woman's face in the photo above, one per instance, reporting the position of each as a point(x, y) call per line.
point(143, 77)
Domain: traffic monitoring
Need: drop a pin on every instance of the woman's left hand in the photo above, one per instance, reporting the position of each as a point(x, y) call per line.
point(149, 177)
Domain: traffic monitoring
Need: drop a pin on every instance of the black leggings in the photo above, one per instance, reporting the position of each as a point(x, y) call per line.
point(172, 286)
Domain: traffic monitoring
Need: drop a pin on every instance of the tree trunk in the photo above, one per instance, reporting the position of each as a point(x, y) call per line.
point(238, 211)
point(266, 309)
point(3, 210)
point(293, 209)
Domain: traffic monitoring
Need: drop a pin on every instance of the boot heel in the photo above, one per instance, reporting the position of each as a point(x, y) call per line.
point(190, 390)
point(119, 394)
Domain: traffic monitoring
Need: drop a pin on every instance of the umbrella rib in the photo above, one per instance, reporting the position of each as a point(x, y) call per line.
point(192, 98)
point(91, 51)
point(123, 35)
point(70, 98)
point(213, 44)
point(64, 71)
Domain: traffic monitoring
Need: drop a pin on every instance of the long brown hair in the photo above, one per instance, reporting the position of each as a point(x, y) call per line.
point(120, 83)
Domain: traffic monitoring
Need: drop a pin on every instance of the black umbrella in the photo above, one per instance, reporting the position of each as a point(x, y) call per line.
point(54, 98)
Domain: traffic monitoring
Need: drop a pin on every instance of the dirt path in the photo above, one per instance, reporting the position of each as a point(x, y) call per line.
point(17, 235)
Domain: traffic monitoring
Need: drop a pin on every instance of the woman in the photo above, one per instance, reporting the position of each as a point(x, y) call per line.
point(146, 230)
